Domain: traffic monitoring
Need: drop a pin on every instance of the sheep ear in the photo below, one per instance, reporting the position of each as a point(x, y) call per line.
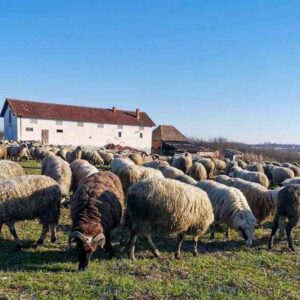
point(99, 239)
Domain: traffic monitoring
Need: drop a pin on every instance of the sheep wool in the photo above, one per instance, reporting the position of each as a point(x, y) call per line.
point(9, 169)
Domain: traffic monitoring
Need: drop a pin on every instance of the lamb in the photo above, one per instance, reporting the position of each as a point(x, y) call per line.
point(132, 174)
point(92, 157)
point(118, 163)
point(170, 172)
point(10, 169)
point(262, 201)
point(28, 198)
point(58, 169)
point(81, 169)
point(165, 206)
point(18, 152)
point(208, 165)
point(182, 162)
point(136, 158)
point(280, 174)
point(72, 155)
point(3, 152)
point(295, 180)
point(250, 176)
point(231, 208)
point(97, 207)
point(256, 168)
point(107, 157)
point(288, 206)
point(197, 171)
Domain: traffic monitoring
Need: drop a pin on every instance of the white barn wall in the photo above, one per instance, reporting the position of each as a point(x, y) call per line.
point(88, 135)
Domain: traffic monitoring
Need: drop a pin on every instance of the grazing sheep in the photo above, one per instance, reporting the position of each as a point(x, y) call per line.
point(92, 157)
point(197, 171)
point(262, 201)
point(58, 169)
point(295, 180)
point(97, 207)
point(81, 169)
point(208, 165)
point(165, 206)
point(256, 168)
point(107, 157)
point(220, 165)
point(62, 153)
point(72, 155)
point(40, 153)
point(257, 177)
point(229, 166)
point(132, 174)
point(9, 169)
point(186, 179)
point(170, 172)
point(3, 152)
point(294, 168)
point(28, 198)
point(136, 158)
point(156, 164)
point(231, 208)
point(288, 206)
point(18, 152)
point(242, 164)
point(280, 174)
point(182, 162)
point(118, 163)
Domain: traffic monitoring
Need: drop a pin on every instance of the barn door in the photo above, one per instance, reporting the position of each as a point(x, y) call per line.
point(45, 136)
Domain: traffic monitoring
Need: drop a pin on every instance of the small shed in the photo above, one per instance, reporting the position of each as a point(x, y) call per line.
point(232, 154)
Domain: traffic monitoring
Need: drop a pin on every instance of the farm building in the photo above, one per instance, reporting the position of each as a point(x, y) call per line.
point(232, 154)
point(168, 140)
point(75, 125)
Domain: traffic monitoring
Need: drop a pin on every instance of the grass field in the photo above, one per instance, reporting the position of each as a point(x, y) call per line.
point(223, 270)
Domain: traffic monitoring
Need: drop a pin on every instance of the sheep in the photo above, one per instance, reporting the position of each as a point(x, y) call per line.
point(261, 200)
point(256, 168)
point(146, 158)
point(40, 153)
point(182, 162)
point(3, 152)
point(107, 157)
point(72, 155)
point(9, 169)
point(97, 207)
point(156, 164)
point(81, 169)
point(165, 206)
point(170, 172)
point(231, 208)
point(92, 157)
point(280, 174)
point(18, 152)
point(220, 165)
point(294, 168)
point(295, 180)
point(58, 169)
point(132, 174)
point(250, 176)
point(28, 198)
point(197, 171)
point(136, 158)
point(288, 206)
point(208, 165)
point(118, 163)
point(229, 166)
point(242, 164)
point(186, 179)
point(62, 153)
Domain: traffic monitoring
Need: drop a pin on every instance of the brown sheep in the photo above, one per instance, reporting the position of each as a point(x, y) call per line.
point(3, 152)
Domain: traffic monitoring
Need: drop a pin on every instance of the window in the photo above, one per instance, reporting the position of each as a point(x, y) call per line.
point(9, 117)
point(29, 129)
point(120, 126)
point(59, 122)
point(100, 125)
point(59, 131)
point(141, 127)
point(119, 134)
point(80, 124)
point(141, 135)
point(33, 121)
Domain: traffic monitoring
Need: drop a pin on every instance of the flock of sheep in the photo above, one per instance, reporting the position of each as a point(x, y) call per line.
point(182, 195)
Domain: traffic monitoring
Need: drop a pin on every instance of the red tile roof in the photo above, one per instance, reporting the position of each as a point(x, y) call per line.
point(51, 111)
point(168, 133)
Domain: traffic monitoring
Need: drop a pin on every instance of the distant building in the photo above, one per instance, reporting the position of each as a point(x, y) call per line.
point(75, 125)
point(232, 154)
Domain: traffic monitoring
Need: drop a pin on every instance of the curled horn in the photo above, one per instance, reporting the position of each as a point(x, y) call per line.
point(99, 237)
point(76, 235)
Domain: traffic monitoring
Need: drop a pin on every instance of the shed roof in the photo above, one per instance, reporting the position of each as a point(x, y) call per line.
point(168, 133)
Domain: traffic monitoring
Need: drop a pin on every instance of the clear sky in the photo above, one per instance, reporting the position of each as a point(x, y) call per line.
point(211, 68)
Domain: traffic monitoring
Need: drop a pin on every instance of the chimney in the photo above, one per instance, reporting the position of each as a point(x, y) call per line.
point(137, 113)
point(114, 109)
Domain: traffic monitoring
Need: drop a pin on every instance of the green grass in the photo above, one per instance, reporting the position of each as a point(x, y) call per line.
point(223, 270)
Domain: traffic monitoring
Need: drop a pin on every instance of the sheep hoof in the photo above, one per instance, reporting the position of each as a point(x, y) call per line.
point(39, 242)
point(177, 255)
point(195, 253)
point(292, 249)
point(156, 253)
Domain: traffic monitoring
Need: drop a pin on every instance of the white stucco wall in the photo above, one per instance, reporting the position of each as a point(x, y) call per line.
point(89, 135)
point(10, 128)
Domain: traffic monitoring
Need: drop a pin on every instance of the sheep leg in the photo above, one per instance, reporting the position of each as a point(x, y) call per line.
point(131, 245)
point(214, 229)
point(291, 224)
point(180, 238)
point(154, 250)
point(108, 246)
point(53, 233)
point(41, 240)
point(281, 227)
point(12, 230)
point(1, 228)
point(195, 250)
point(227, 233)
point(274, 230)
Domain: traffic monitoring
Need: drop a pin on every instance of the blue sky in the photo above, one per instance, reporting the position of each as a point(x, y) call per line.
point(211, 68)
